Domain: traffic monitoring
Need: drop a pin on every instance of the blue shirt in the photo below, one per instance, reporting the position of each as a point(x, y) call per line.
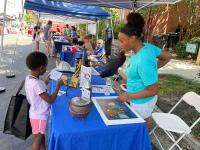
point(74, 34)
point(46, 32)
point(109, 33)
point(142, 71)
point(99, 50)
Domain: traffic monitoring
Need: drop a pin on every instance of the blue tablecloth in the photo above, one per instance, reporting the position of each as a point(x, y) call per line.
point(70, 57)
point(58, 45)
point(70, 133)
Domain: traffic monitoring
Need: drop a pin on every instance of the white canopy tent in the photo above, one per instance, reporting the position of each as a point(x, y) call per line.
point(69, 20)
point(64, 19)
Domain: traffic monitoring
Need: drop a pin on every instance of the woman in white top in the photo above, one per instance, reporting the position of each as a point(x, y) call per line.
point(36, 37)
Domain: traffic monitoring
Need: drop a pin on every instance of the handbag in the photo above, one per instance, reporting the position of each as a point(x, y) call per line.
point(17, 120)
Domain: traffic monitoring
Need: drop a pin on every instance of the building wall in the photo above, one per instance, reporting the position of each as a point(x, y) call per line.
point(14, 7)
point(169, 19)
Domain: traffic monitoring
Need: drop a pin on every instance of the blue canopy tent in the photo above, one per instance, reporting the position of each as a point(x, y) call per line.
point(128, 4)
point(134, 5)
point(67, 9)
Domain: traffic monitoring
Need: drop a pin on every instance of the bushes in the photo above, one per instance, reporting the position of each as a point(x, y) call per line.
point(116, 29)
point(195, 40)
point(181, 49)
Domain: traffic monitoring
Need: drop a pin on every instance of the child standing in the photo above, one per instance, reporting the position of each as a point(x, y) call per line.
point(38, 98)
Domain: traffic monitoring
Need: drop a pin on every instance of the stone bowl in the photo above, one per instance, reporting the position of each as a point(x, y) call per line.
point(79, 107)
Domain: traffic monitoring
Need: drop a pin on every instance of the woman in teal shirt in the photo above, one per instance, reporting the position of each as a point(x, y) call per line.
point(142, 74)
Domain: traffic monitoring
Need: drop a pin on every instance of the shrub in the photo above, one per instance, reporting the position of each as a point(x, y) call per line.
point(195, 40)
point(116, 28)
point(181, 49)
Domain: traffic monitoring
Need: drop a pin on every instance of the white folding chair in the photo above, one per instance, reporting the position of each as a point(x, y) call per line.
point(173, 123)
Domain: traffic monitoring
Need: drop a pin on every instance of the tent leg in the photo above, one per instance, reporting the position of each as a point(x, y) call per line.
point(4, 22)
point(2, 89)
point(112, 28)
point(97, 30)
point(86, 28)
point(112, 34)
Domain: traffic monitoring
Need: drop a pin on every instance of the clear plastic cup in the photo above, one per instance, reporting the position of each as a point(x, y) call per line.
point(108, 82)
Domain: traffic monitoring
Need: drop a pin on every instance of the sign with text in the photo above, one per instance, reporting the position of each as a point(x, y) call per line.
point(85, 76)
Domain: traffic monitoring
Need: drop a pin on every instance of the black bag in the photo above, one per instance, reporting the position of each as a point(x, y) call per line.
point(17, 120)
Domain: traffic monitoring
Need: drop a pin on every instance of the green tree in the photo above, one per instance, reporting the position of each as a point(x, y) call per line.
point(115, 23)
point(82, 28)
point(28, 18)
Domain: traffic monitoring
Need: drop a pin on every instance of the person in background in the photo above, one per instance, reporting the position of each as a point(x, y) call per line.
point(88, 45)
point(81, 45)
point(67, 31)
point(36, 37)
point(64, 31)
point(58, 29)
point(47, 38)
point(82, 49)
point(90, 36)
point(73, 33)
point(99, 52)
point(142, 74)
point(38, 97)
point(75, 41)
point(88, 49)
point(108, 41)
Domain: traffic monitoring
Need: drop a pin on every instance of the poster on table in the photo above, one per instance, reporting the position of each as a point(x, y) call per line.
point(85, 76)
point(114, 112)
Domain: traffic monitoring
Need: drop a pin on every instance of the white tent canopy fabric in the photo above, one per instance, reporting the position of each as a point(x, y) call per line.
point(128, 4)
point(64, 19)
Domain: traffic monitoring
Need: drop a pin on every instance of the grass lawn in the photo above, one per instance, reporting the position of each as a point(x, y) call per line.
point(171, 89)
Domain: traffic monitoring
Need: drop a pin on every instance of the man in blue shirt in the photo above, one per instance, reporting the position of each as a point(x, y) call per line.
point(108, 40)
point(47, 38)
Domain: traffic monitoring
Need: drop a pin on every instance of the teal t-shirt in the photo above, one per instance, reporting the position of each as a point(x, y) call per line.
point(142, 71)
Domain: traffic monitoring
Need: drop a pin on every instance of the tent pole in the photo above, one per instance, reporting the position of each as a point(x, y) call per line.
point(39, 16)
point(86, 28)
point(11, 73)
point(2, 89)
point(97, 30)
point(4, 20)
point(112, 29)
